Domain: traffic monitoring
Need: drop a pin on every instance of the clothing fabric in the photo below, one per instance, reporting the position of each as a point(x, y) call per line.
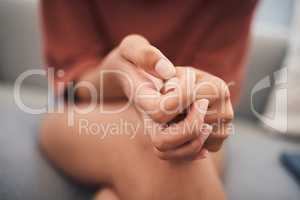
point(212, 35)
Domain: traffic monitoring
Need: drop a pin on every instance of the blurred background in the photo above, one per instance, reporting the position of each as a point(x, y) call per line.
point(253, 166)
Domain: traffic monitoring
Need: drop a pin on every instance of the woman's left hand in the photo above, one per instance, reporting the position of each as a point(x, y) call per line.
point(181, 139)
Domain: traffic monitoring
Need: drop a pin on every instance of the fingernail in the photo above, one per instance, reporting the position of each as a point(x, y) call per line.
point(206, 129)
point(165, 68)
point(171, 85)
point(202, 105)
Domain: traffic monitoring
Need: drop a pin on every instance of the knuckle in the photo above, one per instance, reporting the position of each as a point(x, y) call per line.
point(196, 145)
point(130, 38)
point(149, 54)
point(226, 92)
point(147, 50)
point(159, 117)
point(125, 42)
point(230, 115)
point(171, 104)
point(223, 88)
point(159, 143)
point(227, 117)
point(160, 155)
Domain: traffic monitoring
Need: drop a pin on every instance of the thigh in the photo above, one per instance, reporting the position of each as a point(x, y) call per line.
point(86, 146)
point(120, 154)
point(137, 173)
point(141, 175)
point(218, 161)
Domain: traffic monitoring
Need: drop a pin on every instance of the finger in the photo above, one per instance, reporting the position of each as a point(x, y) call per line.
point(176, 96)
point(187, 151)
point(187, 83)
point(152, 102)
point(136, 49)
point(158, 83)
point(134, 81)
point(220, 112)
point(171, 85)
point(202, 154)
point(216, 139)
point(211, 87)
point(219, 116)
point(188, 129)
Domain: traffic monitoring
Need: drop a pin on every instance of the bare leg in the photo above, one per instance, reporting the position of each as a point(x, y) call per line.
point(106, 194)
point(126, 165)
point(109, 194)
point(218, 160)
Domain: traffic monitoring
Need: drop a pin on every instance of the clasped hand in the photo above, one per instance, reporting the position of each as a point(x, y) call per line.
point(189, 111)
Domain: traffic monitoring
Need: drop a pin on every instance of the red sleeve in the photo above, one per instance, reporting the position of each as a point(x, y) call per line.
point(225, 48)
point(72, 42)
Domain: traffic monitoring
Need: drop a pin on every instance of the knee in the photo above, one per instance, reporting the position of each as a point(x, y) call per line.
point(44, 137)
point(50, 140)
point(181, 182)
point(180, 192)
point(106, 194)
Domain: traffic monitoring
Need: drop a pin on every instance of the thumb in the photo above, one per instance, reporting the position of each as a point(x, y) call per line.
point(137, 50)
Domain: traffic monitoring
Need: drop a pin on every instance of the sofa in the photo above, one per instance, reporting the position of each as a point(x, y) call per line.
point(252, 166)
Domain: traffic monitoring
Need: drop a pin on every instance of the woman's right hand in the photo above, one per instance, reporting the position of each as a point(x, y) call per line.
point(140, 69)
point(132, 63)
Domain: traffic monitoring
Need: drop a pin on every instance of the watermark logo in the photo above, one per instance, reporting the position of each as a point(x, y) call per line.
point(279, 118)
point(166, 101)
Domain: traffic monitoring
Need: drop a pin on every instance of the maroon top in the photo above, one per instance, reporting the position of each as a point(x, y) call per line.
point(211, 35)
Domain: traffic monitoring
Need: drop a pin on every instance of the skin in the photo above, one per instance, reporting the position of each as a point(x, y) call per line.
point(148, 166)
